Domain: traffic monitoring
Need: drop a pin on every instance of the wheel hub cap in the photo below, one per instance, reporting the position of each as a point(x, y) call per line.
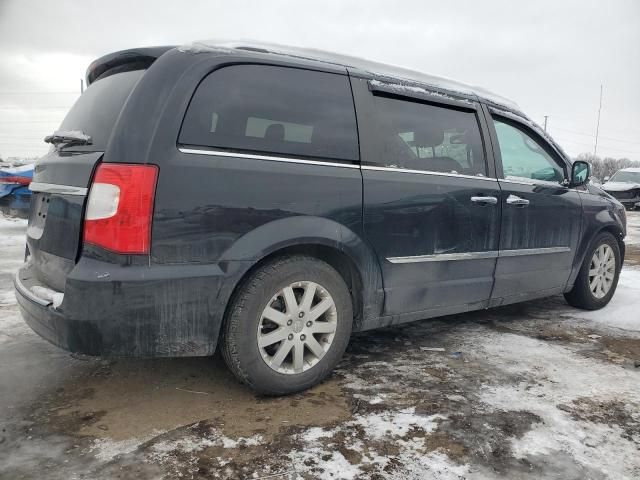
point(297, 327)
point(602, 271)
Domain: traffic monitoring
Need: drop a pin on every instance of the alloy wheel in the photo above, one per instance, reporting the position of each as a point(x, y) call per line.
point(602, 271)
point(297, 327)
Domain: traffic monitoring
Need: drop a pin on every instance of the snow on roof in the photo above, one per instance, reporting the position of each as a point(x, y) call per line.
point(630, 169)
point(368, 66)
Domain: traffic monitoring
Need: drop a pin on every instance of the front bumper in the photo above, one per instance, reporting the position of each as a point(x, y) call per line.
point(139, 311)
point(624, 197)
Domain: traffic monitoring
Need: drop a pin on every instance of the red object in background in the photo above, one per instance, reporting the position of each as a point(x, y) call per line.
point(14, 179)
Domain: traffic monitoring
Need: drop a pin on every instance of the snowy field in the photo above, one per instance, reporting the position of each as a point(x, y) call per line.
point(536, 390)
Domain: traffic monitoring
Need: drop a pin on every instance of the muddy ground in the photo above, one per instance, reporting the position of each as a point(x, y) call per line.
point(536, 390)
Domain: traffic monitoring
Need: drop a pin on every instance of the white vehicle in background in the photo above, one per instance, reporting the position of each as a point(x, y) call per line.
point(624, 185)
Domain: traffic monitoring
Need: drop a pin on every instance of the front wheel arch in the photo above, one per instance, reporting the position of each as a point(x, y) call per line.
point(580, 295)
point(617, 233)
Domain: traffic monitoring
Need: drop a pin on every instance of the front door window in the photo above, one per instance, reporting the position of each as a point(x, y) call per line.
point(523, 157)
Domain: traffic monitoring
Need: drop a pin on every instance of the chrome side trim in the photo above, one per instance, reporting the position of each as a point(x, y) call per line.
point(54, 188)
point(251, 156)
point(444, 257)
point(426, 172)
point(521, 182)
point(533, 251)
point(447, 257)
point(541, 183)
point(534, 183)
point(29, 294)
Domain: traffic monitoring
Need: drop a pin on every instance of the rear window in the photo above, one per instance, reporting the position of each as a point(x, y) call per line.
point(279, 110)
point(426, 137)
point(96, 111)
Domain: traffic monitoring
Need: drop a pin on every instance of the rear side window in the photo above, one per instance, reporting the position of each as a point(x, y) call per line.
point(277, 110)
point(96, 111)
point(418, 136)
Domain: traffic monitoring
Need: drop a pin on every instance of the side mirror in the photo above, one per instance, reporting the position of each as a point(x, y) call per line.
point(606, 179)
point(580, 172)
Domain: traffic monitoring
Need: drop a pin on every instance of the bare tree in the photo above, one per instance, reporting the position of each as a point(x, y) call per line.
point(605, 167)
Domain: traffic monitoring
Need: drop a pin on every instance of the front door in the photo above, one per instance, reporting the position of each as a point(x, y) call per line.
point(541, 218)
point(431, 206)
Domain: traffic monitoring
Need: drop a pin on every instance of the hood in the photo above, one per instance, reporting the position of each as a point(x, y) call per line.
point(619, 186)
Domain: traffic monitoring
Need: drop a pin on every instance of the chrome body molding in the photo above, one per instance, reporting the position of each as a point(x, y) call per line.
point(426, 172)
point(447, 257)
point(444, 257)
point(55, 188)
point(533, 251)
point(254, 156)
point(223, 153)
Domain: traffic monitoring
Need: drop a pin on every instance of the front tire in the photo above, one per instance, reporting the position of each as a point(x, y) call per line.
point(288, 325)
point(598, 277)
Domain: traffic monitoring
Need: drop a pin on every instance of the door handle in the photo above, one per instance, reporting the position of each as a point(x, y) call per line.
point(485, 200)
point(517, 201)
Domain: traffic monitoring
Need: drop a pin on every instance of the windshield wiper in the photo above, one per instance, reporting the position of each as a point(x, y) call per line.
point(71, 137)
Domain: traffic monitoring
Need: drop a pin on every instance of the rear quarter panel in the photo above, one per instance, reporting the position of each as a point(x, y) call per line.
point(218, 209)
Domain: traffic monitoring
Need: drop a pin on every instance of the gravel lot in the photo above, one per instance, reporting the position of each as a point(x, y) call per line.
point(536, 390)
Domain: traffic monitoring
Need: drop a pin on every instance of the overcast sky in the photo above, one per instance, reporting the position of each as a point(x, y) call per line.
point(548, 56)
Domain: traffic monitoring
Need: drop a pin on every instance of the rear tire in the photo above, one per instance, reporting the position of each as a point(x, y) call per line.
point(598, 277)
point(288, 325)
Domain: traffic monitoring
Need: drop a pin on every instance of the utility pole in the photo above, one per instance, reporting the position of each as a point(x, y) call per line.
point(595, 148)
point(81, 85)
point(545, 122)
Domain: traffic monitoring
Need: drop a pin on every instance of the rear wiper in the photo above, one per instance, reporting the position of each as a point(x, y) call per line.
point(71, 137)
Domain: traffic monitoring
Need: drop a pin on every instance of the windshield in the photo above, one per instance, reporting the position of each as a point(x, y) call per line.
point(96, 111)
point(626, 177)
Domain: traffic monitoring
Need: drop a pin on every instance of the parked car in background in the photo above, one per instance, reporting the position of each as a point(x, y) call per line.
point(624, 185)
point(270, 201)
point(15, 195)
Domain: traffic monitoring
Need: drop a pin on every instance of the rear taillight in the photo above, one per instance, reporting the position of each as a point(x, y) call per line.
point(120, 207)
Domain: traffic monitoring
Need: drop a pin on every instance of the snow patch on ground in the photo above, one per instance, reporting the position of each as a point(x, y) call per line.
point(12, 245)
point(633, 228)
point(552, 377)
point(387, 426)
point(195, 443)
point(623, 310)
point(105, 449)
point(13, 231)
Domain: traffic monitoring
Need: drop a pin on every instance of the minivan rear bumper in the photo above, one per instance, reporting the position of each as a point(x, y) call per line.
point(134, 311)
point(52, 325)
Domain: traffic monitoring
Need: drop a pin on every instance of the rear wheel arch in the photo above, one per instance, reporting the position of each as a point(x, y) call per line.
point(344, 264)
point(322, 238)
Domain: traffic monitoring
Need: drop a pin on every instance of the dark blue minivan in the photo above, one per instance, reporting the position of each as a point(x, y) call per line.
point(272, 200)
